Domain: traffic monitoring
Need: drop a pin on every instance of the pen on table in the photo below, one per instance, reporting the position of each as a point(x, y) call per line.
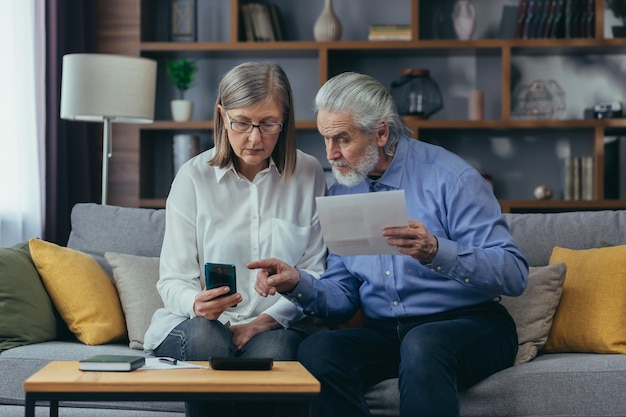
point(171, 361)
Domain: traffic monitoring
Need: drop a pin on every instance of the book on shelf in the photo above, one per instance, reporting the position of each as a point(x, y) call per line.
point(586, 167)
point(529, 16)
point(556, 25)
point(579, 18)
point(552, 18)
point(117, 363)
point(389, 33)
point(578, 178)
point(622, 169)
point(248, 25)
point(542, 21)
point(261, 22)
point(276, 21)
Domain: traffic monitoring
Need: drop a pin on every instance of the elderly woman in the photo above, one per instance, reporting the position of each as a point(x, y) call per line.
point(251, 196)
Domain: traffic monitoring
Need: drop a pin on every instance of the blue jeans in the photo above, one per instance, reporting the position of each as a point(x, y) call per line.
point(199, 339)
point(433, 357)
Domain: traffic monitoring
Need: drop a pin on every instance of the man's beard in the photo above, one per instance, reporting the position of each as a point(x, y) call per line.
point(357, 173)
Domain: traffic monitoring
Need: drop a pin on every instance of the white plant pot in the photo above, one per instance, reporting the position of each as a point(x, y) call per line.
point(182, 110)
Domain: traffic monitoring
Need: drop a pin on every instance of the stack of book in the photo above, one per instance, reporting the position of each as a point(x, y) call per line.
point(578, 178)
point(555, 19)
point(389, 33)
point(123, 363)
point(261, 22)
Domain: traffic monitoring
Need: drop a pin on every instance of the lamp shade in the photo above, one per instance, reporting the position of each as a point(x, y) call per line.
point(119, 88)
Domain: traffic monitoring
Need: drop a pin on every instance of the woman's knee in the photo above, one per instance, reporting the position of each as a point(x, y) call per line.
point(197, 339)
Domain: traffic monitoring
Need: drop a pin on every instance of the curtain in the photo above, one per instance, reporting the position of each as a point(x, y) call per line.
point(73, 149)
point(22, 119)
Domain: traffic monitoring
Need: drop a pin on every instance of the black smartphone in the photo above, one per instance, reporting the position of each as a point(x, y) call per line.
point(220, 275)
point(242, 364)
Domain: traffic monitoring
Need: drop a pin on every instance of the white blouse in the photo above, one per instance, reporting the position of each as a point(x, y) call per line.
point(215, 215)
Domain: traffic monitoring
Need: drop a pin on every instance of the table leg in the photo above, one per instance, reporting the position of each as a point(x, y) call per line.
point(313, 408)
point(54, 408)
point(29, 407)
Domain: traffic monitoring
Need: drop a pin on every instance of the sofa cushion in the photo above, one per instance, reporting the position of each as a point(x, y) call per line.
point(533, 311)
point(537, 233)
point(22, 362)
point(135, 278)
point(592, 314)
point(25, 307)
point(562, 384)
point(97, 229)
point(81, 291)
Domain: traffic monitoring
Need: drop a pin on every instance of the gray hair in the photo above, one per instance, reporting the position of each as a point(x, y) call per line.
point(367, 101)
point(251, 83)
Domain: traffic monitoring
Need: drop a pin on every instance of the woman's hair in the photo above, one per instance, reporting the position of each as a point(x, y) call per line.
point(251, 83)
point(367, 101)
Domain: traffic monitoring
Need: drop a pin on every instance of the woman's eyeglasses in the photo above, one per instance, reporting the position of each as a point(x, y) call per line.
point(245, 127)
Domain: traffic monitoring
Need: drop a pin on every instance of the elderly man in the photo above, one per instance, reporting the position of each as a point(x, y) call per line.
point(433, 317)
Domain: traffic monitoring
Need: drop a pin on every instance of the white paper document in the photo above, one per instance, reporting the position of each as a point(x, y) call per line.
point(154, 363)
point(352, 224)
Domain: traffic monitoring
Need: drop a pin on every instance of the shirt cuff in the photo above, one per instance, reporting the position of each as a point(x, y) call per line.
point(444, 258)
point(303, 293)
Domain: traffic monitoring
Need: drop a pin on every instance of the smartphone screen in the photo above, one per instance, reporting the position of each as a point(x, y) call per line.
point(220, 275)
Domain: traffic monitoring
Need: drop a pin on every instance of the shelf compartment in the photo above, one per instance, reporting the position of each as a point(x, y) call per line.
point(517, 160)
point(156, 166)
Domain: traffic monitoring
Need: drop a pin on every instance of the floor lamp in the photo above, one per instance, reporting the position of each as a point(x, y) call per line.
point(109, 89)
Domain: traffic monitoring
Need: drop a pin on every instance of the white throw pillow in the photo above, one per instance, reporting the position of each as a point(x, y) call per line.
point(135, 278)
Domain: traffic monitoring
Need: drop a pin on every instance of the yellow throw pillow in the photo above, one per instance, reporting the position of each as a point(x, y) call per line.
point(81, 291)
point(591, 316)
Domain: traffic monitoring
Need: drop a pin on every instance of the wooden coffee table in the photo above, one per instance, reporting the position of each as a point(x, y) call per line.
point(63, 381)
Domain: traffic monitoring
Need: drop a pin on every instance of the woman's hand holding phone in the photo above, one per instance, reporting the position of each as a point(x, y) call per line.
point(211, 303)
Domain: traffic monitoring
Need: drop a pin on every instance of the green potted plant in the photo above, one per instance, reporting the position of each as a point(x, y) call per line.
point(182, 73)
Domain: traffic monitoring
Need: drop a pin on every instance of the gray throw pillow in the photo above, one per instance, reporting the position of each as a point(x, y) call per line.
point(534, 310)
point(135, 278)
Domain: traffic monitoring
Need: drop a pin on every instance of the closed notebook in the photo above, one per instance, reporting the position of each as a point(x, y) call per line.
point(111, 363)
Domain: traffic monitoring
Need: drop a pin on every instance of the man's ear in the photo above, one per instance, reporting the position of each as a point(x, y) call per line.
point(382, 134)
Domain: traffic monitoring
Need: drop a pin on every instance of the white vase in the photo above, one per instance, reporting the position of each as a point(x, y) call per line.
point(464, 19)
point(182, 110)
point(185, 147)
point(327, 26)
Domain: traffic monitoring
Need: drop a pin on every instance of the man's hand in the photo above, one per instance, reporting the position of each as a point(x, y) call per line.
point(413, 240)
point(274, 276)
point(210, 304)
point(242, 333)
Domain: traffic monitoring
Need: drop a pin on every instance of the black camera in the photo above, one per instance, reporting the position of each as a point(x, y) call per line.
point(608, 110)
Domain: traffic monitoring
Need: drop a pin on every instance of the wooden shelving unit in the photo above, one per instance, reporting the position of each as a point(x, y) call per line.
point(143, 36)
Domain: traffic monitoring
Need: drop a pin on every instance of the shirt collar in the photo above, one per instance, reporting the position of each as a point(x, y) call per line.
point(221, 172)
point(392, 177)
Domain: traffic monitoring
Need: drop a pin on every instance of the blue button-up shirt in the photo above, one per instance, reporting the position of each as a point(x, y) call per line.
point(477, 259)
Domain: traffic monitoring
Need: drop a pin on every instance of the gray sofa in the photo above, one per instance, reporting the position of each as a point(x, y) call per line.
point(552, 384)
